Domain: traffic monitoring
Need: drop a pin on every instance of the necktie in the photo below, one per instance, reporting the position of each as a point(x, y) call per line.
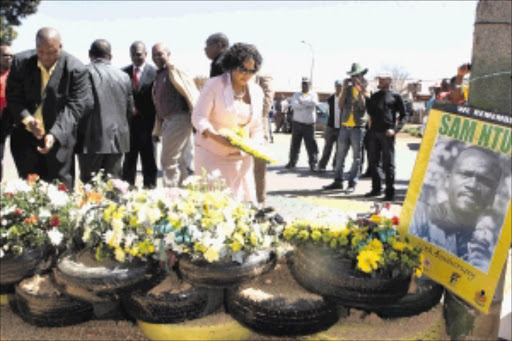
point(136, 77)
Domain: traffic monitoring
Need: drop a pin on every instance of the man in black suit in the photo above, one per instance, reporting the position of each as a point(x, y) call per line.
point(103, 132)
point(142, 76)
point(47, 91)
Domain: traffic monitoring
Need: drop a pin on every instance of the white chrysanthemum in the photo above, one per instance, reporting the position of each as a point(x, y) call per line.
point(121, 186)
point(55, 236)
point(191, 180)
point(142, 216)
point(117, 225)
point(3, 222)
point(57, 198)
point(7, 210)
point(32, 200)
point(108, 237)
point(16, 186)
point(44, 213)
point(2, 253)
point(129, 238)
point(154, 215)
point(386, 213)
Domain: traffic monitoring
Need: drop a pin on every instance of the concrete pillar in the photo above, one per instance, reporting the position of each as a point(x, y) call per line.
point(490, 88)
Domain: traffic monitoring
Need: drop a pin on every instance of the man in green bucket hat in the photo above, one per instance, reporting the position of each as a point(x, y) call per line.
point(353, 120)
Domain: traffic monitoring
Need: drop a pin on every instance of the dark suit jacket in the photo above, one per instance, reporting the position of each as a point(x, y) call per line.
point(330, 119)
point(104, 129)
point(66, 97)
point(143, 97)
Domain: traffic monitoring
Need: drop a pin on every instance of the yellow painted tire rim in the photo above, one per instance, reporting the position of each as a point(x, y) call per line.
point(176, 331)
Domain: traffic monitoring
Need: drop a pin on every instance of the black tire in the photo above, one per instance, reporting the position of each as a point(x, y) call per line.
point(427, 295)
point(99, 280)
point(50, 309)
point(324, 272)
point(15, 268)
point(184, 302)
point(225, 275)
point(291, 311)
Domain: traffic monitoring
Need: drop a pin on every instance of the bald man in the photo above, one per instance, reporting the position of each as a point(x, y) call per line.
point(48, 91)
point(175, 95)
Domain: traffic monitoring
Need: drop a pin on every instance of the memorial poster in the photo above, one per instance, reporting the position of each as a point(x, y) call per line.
point(458, 205)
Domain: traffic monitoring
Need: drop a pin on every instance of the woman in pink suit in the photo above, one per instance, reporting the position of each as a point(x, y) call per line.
point(230, 101)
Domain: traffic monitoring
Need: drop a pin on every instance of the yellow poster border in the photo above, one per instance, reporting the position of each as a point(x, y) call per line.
point(463, 279)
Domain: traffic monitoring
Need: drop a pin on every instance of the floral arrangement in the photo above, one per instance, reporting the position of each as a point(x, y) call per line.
point(125, 230)
point(239, 139)
point(207, 223)
point(372, 243)
point(34, 213)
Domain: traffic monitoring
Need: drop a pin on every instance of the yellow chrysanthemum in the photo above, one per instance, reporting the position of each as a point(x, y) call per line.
point(235, 246)
point(376, 218)
point(120, 255)
point(399, 246)
point(211, 255)
point(368, 260)
point(316, 235)
point(289, 232)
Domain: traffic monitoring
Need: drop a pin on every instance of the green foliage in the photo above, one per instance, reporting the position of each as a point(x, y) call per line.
point(11, 13)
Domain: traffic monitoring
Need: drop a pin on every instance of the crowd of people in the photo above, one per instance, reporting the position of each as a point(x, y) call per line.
point(54, 107)
point(357, 121)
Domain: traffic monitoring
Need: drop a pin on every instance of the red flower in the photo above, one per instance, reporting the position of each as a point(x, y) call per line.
point(17, 211)
point(63, 188)
point(54, 220)
point(9, 195)
point(396, 220)
point(387, 206)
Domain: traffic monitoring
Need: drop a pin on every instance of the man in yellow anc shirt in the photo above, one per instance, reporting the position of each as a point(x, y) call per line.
point(353, 117)
point(48, 91)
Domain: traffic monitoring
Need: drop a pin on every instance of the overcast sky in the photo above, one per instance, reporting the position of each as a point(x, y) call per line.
point(429, 39)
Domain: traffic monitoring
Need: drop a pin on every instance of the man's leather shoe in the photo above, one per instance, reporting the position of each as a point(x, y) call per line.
point(388, 197)
point(289, 166)
point(334, 185)
point(312, 167)
point(372, 194)
point(350, 189)
point(320, 169)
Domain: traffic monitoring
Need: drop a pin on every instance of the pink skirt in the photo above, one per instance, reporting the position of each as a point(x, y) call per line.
point(237, 171)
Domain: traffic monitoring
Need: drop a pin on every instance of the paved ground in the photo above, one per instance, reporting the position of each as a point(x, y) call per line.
point(292, 190)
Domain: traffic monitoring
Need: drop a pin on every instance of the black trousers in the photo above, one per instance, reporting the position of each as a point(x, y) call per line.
point(141, 143)
point(383, 147)
point(307, 132)
point(331, 139)
point(92, 163)
point(58, 164)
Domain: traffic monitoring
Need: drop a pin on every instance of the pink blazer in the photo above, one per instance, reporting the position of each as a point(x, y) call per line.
point(214, 109)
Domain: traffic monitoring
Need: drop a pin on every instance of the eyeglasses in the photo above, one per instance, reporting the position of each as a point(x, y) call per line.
point(243, 70)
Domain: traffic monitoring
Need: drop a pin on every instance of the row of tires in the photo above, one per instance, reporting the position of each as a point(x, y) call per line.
point(262, 305)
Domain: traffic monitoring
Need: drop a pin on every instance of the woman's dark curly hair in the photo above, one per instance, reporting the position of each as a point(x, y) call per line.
point(238, 54)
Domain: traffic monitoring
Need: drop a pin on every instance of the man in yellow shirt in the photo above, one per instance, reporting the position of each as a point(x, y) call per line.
point(48, 91)
point(353, 119)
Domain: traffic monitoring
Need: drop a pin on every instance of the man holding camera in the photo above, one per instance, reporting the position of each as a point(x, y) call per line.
point(353, 119)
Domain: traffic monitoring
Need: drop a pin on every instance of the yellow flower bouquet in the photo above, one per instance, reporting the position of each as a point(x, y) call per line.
point(240, 140)
point(361, 261)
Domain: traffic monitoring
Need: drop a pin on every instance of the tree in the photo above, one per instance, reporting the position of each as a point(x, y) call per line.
point(399, 74)
point(11, 13)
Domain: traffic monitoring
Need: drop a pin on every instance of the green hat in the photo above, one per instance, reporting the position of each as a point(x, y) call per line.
point(357, 69)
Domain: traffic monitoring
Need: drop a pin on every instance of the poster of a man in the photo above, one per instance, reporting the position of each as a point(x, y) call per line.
point(459, 210)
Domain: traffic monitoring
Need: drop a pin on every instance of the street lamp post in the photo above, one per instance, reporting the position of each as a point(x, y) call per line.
point(312, 61)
